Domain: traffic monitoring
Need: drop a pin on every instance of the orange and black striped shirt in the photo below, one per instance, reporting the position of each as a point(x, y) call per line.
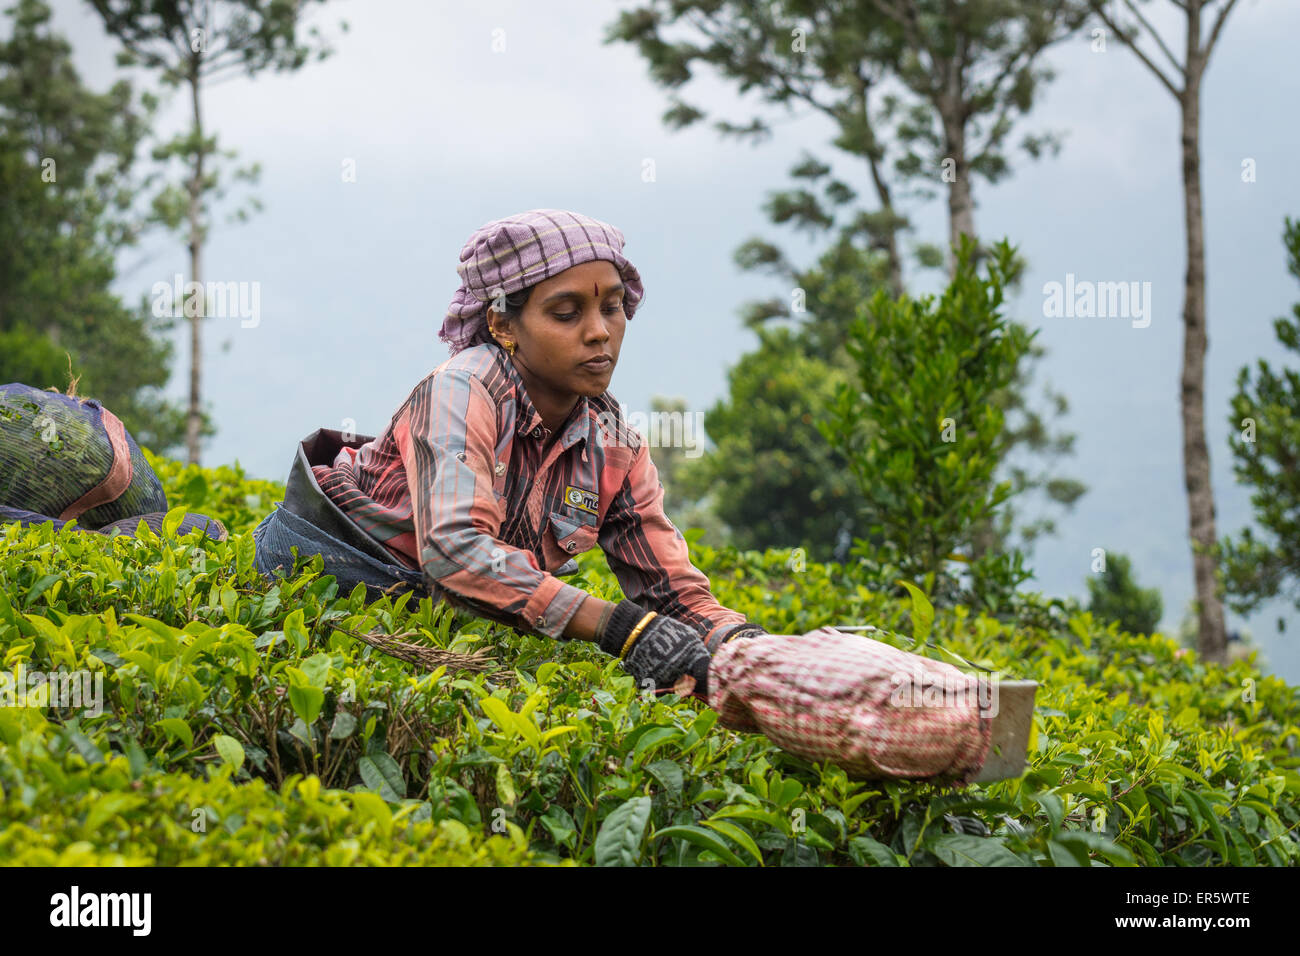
point(459, 485)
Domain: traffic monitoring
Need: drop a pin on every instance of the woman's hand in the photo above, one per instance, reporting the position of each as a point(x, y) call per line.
point(656, 647)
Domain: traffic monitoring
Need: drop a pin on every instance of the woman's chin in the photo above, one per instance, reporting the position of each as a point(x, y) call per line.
point(594, 386)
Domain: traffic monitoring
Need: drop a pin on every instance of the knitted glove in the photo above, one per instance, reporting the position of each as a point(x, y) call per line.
point(663, 650)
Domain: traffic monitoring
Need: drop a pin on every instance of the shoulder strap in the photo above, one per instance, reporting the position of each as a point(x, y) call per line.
point(119, 474)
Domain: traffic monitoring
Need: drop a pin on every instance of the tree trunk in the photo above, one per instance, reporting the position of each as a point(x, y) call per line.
point(192, 421)
point(891, 235)
point(874, 154)
point(1211, 637)
point(961, 204)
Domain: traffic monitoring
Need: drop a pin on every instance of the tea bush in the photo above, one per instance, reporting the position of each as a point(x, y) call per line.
point(245, 721)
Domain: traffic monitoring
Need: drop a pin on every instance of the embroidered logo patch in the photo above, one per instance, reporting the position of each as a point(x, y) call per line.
point(582, 499)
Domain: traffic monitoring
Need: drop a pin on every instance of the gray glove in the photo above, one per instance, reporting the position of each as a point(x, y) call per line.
point(663, 650)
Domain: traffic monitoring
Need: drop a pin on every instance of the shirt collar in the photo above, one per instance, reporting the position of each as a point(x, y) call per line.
point(528, 419)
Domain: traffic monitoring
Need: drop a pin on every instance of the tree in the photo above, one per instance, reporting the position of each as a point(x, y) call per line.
point(922, 428)
point(1184, 84)
point(1265, 444)
point(189, 48)
point(792, 52)
point(974, 68)
point(66, 178)
point(838, 59)
point(1114, 595)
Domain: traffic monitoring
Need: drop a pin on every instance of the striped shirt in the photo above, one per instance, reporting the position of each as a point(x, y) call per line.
point(461, 485)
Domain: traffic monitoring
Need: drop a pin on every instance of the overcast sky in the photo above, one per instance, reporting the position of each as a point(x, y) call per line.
point(446, 134)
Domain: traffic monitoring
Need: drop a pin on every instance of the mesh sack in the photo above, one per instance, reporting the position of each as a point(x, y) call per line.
point(71, 458)
point(870, 708)
point(211, 527)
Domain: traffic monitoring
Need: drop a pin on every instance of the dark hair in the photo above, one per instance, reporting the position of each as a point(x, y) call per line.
point(514, 308)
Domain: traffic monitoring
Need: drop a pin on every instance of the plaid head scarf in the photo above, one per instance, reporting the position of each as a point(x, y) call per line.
point(519, 251)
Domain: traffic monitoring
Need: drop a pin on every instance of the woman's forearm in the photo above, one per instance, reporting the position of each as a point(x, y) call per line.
point(585, 623)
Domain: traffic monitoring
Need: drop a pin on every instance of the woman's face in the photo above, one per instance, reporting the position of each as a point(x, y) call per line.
point(569, 319)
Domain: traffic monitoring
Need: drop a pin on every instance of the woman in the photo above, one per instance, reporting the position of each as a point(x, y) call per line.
point(511, 457)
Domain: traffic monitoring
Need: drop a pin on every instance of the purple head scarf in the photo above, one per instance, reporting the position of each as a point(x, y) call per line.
point(519, 251)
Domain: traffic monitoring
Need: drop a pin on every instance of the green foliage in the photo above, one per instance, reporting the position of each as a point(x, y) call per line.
point(1115, 596)
point(1264, 435)
point(923, 431)
point(241, 722)
point(31, 358)
point(968, 75)
point(771, 476)
point(226, 492)
point(974, 71)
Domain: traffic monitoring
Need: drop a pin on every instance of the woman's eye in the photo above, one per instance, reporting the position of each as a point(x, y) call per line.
point(570, 316)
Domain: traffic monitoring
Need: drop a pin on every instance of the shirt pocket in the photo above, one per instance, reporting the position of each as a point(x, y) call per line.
point(572, 536)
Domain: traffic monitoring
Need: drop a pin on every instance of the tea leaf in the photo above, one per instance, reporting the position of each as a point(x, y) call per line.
point(701, 838)
point(85, 746)
point(864, 848)
point(922, 612)
point(343, 727)
point(230, 749)
point(962, 849)
point(669, 774)
point(371, 806)
point(172, 520)
point(39, 588)
point(653, 738)
point(505, 785)
point(738, 834)
point(177, 729)
point(618, 842)
point(109, 806)
point(307, 702)
point(559, 825)
point(381, 773)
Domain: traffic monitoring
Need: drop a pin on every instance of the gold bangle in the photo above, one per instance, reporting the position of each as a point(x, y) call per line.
point(636, 631)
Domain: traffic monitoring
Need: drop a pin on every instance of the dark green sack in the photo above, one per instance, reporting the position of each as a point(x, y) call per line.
point(71, 458)
point(66, 459)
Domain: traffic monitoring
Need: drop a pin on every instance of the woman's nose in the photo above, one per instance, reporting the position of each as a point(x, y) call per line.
point(599, 330)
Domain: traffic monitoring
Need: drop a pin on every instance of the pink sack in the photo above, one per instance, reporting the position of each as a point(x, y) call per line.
point(868, 707)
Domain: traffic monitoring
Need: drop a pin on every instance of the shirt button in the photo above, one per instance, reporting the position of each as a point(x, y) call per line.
point(501, 468)
point(571, 546)
point(540, 622)
point(537, 433)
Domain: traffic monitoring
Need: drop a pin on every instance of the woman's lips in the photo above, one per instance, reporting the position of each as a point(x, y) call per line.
point(598, 365)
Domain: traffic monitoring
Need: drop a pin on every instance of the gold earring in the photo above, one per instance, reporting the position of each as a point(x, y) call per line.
point(508, 346)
